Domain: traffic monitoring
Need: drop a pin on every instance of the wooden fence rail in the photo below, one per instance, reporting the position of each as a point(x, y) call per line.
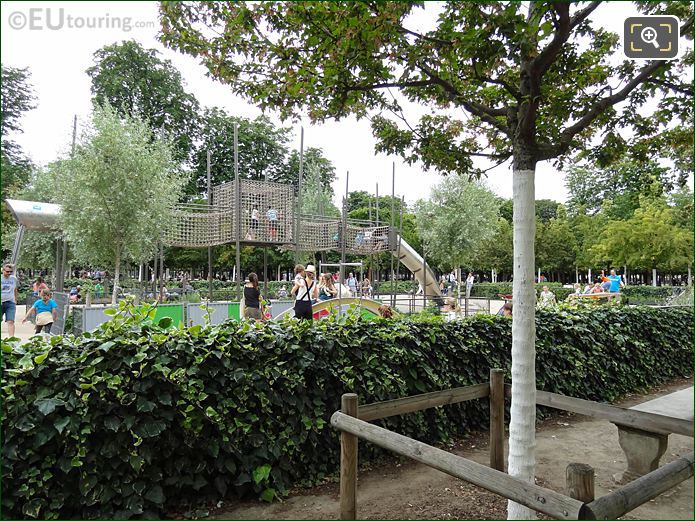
point(552, 503)
point(637, 492)
point(352, 421)
point(379, 410)
point(646, 421)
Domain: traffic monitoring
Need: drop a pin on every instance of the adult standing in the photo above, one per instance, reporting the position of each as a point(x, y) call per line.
point(39, 285)
point(352, 284)
point(9, 296)
point(302, 292)
point(311, 283)
point(366, 287)
point(616, 282)
point(452, 281)
point(469, 284)
point(252, 298)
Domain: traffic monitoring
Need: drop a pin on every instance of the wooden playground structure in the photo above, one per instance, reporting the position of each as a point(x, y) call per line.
point(353, 422)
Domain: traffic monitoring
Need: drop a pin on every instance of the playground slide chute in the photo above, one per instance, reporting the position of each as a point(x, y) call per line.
point(413, 261)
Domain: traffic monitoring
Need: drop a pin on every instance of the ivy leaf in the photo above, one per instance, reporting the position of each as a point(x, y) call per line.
point(268, 495)
point(260, 474)
point(47, 405)
point(149, 429)
point(61, 423)
point(165, 322)
point(156, 495)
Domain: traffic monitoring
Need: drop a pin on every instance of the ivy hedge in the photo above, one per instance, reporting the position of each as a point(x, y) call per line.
point(137, 417)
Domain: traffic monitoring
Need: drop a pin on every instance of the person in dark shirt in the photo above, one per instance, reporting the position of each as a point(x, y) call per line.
point(252, 298)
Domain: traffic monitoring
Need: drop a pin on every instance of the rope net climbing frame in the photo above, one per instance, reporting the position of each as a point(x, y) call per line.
point(267, 217)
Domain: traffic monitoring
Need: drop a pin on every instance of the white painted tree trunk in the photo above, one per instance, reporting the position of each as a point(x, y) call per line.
point(522, 426)
point(539, 270)
point(590, 279)
point(654, 277)
point(576, 274)
point(116, 276)
point(690, 276)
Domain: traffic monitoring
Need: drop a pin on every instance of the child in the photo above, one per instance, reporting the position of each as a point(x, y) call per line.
point(45, 310)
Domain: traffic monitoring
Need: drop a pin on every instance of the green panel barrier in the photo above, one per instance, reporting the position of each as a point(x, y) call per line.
point(173, 311)
point(367, 314)
point(234, 310)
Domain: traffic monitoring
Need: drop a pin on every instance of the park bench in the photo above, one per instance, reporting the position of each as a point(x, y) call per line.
point(643, 449)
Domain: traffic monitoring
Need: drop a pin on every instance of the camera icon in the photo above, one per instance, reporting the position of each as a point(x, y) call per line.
point(651, 37)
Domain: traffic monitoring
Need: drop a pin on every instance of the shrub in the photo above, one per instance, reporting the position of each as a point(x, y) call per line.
point(493, 289)
point(131, 419)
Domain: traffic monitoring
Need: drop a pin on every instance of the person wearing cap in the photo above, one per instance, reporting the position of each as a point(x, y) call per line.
point(311, 280)
point(303, 291)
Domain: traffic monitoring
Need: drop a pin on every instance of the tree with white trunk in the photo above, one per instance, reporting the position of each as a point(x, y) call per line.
point(116, 192)
point(526, 82)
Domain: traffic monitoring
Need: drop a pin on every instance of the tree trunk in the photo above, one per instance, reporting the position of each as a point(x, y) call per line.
point(690, 276)
point(654, 277)
point(589, 275)
point(522, 426)
point(116, 275)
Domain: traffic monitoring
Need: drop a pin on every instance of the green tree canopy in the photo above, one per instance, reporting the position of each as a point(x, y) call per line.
point(622, 184)
point(117, 191)
point(17, 98)
point(263, 152)
point(651, 238)
point(137, 82)
point(456, 219)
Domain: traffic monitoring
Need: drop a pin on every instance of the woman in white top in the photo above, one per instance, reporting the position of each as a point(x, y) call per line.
point(304, 291)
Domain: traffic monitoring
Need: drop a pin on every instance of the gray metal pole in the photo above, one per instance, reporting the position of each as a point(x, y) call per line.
point(161, 271)
point(343, 231)
point(400, 233)
point(393, 211)
point(424, 276)
point(376, 255)
point(265, 270)
point(17, 244)
point(209, 247)
point(299, 196)
point(237, 207)
point(74, 135)
point(63, 263)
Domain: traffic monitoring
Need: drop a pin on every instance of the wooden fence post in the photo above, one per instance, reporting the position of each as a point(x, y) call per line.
point(497, 419)
point(580, 482)
point(348, 462)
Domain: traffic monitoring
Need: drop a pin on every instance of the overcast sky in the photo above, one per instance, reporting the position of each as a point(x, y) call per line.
point(58, 58)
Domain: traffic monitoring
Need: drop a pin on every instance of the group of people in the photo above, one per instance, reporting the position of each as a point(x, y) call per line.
point(306, 290)
point(611, 284)
point(448, 284)
point(273, 224)
point(45, 309)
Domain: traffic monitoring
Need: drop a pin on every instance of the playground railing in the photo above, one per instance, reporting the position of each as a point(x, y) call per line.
point(353, 422)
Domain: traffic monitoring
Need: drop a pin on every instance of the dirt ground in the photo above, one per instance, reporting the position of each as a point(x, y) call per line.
point(398, 489)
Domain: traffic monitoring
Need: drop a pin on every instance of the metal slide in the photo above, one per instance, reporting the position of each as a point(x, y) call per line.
point(413, 261)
